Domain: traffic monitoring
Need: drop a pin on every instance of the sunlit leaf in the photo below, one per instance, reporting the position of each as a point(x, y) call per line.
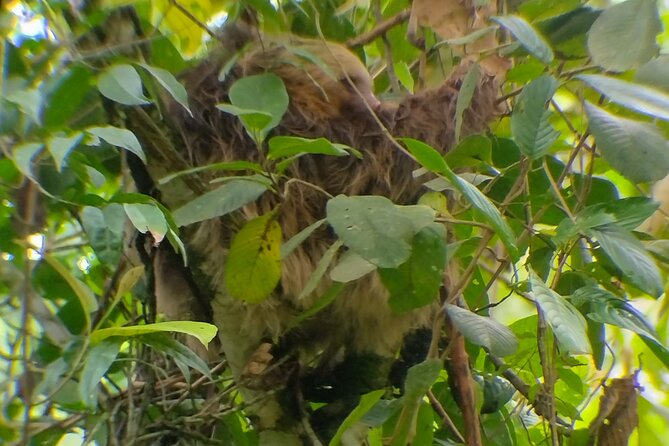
point(469, 83)
point(147, 218)
point(202, 331)
point(120, 138)
point(121, 83)
point(171, 84)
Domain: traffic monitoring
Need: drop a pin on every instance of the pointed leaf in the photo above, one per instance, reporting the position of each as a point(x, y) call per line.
point(637, 150)
point(183, 356)
point(60, 147)
point(98, 361)
point(484, 331)
point(367, 401)
point(351, 267)
point(202, 331)
point(171, 84)
point(295, 241)
point(121, 83)
point(147, 218)
point(627, 252)
point(469, 83)
point(23, 158)
point(530, 119)
point(643, 99)
point(285, 146)
point(527, 36)
point(120, 138)
point(221, 201)
point(320, 270)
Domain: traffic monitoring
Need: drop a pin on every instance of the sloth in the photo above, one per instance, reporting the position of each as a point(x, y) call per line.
point(337, 103)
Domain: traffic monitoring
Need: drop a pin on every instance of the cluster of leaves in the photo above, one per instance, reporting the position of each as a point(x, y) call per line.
point(547, 219)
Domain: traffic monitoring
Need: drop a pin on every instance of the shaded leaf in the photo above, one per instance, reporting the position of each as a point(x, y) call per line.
point(120, 138)
point(320, 270)
point(171, 84)
point(295, 241)
point(367, 401)
point(469, 83)
point(104, 229)
point(99, 359)
point(420, 378)
point(60, 146)
point(637, 150)
point(183, 356)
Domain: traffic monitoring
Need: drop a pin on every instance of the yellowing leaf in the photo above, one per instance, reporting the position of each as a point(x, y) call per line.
point(253, 268)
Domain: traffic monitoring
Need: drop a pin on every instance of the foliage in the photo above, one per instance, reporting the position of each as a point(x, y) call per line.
point(546, 217)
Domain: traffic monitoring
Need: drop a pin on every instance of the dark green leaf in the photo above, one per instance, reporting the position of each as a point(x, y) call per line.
point(98, 361)
point(483, 331)
point(530, 119)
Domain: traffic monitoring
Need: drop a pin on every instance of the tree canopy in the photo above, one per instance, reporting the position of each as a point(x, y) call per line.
point(550, 227)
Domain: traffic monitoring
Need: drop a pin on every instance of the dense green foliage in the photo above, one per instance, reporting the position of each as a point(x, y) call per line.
point(563, 280)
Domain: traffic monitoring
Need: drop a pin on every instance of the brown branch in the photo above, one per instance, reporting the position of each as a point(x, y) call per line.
point(380, 29)
point(436, 405)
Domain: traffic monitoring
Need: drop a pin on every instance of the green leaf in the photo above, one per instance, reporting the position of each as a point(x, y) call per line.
point(484, 331)
point(637, 150)
point(373, 227)
point(655, 72)
point(227, 165)
point(530, 121)
point(567, 323)
point(60, 146)
point(426, 156)
point(295, 241)
point(628, 254)
point(202, 331)
point(253, 266)
point(264, 93)
point(470, 152)
point(183, 356)
point(319, 304)
point(29, 101)
point(171, 84)
point(623, 36)
point(23, 158)
point(104, 229)
point(97, 362)
point(469, 83)
point(432, 160)
point(120, 138)
point(647, 100)
point(285, 146)
point(367, 401)
point(320, 270)
point(416, 282)
point(121, 83)
point(403, 72)
point(527, 36)
point(420, 378)
point(605, 307)
point(221, 201)
point(254, 121)
point(351, 267)
point(147, 218)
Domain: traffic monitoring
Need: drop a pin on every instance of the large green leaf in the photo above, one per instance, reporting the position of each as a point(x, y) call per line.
point(367, 401)
point(655, 72)
point(420, 378)
point(285, 146)
point(60, 146)
point(623, 36)
point(183, 356)
point(253, 266)
point(171, 84)
point(483, 331)
point(295, 241)
point(121, 83)
point(351, 267)
point(627, 252)
point(105, 231)
point(202, 331)
point(567, 323)
point(416, 282)
point(641, 98)
point(530, 119)
point(147, 218)
point(264, 94)
point(527, 36)
point(220, 201)
point(637, 150)
point(373, 227)
point(469, 83)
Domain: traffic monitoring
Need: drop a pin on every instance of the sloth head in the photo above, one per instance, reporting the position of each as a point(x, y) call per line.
point(323, 79)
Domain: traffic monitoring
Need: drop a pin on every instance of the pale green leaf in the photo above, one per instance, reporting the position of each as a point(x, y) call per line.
point(202, 331)
point(655, 73)
point(220, 201)
point(351, 267)
point(23, 157)
point(99, 359)
point(567, 322)
point(641, 98)
point(183, 356)
point(285, 146)
point(171, 84)
point(295, 241)
point(637, 150)
point(484, 331)
point(320, 270)
point(469, 84)
point(147, 218)
point(120, 138)
point(527, 36)
point(122, 84)
point(60, 146)
point(623, 36)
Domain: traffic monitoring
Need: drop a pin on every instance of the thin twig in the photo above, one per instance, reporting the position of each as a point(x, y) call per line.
point(381, 28)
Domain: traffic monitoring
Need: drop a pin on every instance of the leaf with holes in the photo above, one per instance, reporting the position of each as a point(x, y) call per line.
point(253, 266)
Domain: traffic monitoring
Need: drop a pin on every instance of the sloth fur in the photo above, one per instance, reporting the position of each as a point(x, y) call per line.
point(321, 105)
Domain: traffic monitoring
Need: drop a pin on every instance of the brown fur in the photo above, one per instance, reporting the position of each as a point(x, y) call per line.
point(320, 106)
